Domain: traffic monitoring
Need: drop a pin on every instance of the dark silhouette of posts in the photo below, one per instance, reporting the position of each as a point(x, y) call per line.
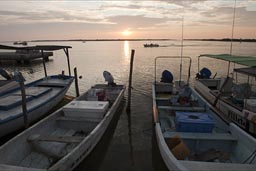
point(76, 82)
point(130, 82)
point(23, 96)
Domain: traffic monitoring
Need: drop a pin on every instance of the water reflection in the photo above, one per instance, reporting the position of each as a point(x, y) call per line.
point(126, 50)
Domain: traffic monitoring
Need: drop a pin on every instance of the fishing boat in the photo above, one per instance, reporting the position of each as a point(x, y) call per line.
point(191, 136)
point(151, 45)
point(62, 140)
point(234, 97)
point(18, 109)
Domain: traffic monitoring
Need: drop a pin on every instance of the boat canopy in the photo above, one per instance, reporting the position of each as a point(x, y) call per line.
point(243, 60)
point(42, 48)
point(251, 71)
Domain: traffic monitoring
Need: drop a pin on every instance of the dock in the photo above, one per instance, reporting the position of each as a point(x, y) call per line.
point(24, 57)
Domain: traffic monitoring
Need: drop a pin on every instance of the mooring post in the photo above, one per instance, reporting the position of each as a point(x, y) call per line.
point(76, 82)
point(23, 96)
point(130, 82)
point(45, 72)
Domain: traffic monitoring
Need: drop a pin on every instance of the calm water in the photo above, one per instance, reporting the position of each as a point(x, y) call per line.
point(129, 143)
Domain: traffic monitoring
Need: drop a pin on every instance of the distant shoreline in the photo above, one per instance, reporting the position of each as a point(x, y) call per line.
point(88, 40)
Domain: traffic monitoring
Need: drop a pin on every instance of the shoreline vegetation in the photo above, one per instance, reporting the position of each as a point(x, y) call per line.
point(87, 40)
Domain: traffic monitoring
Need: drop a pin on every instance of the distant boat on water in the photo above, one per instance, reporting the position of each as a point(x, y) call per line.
point(24, 43)
point(151, 45)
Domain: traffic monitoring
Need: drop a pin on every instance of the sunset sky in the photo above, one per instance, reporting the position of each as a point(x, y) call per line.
point(33, 20)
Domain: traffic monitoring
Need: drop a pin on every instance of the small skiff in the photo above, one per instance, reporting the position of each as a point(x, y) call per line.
point(62, 140)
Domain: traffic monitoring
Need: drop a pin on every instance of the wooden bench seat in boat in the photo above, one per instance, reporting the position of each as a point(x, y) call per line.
point(53, 83)
point(212, 166)
point(62, 139)
point(183, 108)
point(55, 145)
point(12, 101)
point(201, 136)
point(34, 91)
point(75, 119)
point(77, 123)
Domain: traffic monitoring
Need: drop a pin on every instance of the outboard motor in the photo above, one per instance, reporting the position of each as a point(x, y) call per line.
point(109, 78)
point(167, 77)
point(204, 73)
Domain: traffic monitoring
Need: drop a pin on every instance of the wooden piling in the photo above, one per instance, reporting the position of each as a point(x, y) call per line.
point(76, 82)
point(24, 105)
point(45, 72)
point(130, 81)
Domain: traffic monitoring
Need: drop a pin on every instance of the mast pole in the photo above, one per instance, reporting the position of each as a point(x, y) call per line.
point(181, 54)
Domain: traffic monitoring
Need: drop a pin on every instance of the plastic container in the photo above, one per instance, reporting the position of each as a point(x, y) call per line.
point(193, 122)
point(250, 104)
point(89, 109)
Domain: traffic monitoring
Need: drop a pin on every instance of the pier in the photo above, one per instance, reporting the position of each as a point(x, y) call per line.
point(23, 56)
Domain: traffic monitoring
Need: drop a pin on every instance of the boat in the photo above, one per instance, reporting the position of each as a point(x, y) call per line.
point(234, 99)
point(191, 136)
point(24, 43)
point(67, 136)
point(18, 110)
point(151, 45)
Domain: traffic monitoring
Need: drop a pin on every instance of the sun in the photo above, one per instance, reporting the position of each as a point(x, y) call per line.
point(126, 33)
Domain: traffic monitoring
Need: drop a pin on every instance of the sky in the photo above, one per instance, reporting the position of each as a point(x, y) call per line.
point(157, 19)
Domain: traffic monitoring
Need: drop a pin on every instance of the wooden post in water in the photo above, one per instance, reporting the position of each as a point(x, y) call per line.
point(76, 82)
point(45, 72)
point(130, 82)
point(24, 105)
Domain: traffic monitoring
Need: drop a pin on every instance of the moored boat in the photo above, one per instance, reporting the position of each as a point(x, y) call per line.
point(151, 45)
point(64, 138)
point(190, 136)
point(234, 99)
point(40, 96)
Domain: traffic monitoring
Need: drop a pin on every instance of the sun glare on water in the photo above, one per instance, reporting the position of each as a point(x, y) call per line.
point(126, 33)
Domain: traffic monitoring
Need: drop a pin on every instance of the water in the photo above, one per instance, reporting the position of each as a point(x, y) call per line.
point(129, 143)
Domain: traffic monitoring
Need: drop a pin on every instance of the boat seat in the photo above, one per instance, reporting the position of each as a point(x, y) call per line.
point(35, 91)
point(183, 108)
point(212, 166)
point(201, 136)
point(12, 101)
point(75, 119)
point(52, 83)
point(55, 138)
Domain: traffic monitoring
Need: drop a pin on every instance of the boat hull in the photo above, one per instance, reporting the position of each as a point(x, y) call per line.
point(33, 114)
point(226, 137)
point(63, 139)
point(227, 111)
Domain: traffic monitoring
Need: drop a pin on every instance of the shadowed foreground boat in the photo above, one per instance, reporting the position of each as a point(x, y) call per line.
point(235, 98)
point(63, 139)
point(18, 110)
point(191, 136)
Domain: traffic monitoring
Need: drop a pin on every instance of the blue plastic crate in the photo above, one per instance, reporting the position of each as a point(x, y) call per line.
point(194, 122)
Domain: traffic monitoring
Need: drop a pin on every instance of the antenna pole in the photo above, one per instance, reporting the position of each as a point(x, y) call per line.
point(233, 25)
point(181, 54)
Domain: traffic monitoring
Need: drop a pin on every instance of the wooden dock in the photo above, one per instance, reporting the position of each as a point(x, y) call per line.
point(23, 57)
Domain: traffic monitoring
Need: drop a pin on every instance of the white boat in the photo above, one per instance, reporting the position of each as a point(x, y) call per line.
point(233, 106)
point(190, 136)
point(64, 138)
point(40, 96)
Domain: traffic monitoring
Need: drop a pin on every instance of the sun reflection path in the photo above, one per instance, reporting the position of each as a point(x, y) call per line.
point(126, 50)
